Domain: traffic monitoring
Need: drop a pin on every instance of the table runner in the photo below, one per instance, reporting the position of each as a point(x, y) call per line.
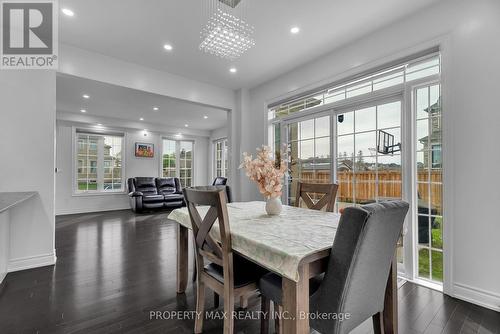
point(278, 243)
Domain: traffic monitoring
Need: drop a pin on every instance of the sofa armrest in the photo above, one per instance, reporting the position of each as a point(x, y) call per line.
point(131, 185)
point(178, 187)
point(135, 194)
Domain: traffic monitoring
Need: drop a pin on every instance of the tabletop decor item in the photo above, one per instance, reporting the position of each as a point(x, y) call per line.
point(268, 173)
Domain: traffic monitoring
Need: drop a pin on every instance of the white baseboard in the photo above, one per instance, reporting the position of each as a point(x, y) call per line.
point(477, 296)
point(31, 262)
point(62, 212)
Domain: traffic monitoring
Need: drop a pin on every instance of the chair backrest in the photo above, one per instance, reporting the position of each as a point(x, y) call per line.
point(329, 192)
point(145, 185)
point(359, 265)
point(206, 246)
point(219, 181)
point(167, 185)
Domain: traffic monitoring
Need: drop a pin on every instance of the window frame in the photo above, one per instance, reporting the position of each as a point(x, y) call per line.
point(75, 192)
point(177, 156)
point(224, 157)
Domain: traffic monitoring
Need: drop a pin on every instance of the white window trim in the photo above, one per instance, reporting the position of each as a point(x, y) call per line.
point(74, 182)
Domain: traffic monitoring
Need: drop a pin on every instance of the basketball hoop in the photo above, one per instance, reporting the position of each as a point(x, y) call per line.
point(385, 144)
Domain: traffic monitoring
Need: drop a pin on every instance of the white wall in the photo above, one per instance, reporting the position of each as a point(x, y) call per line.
point(27, 126)
point(67, 203)
point(468, 33)
point(218, 133)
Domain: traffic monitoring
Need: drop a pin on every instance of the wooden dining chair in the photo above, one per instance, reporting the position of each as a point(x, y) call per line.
point(219, 182)
point(228, 275)
point(357, 272)
point(329, 192)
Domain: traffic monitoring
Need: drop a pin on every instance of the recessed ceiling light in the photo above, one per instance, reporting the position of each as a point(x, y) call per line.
point(168, 47)
point(186, 125)
point(83, 110)
point(205, 117)
point(141, 119)
point(295, 30)
point(99, 124)
point(233, 70)
point(85, 96)
point(156, 108)
point(179, 135)
point(68, 12)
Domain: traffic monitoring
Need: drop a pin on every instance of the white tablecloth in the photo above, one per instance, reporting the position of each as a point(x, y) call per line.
point(278, 243)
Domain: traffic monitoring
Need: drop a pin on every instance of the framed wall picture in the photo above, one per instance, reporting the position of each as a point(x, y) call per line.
point(144, 150)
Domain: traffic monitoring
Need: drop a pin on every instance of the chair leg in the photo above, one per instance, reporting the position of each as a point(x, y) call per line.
point(265, 307)
point(378, 323)
point(200, 307)
point(244, 302)
point(195, 270)
point(278, 328)
point(216, 300)
point(228, 311)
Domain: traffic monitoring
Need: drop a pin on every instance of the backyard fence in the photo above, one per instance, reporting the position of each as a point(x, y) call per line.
point(389, 185)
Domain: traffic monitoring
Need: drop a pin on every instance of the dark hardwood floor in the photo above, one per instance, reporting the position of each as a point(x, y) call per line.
point(114, 268)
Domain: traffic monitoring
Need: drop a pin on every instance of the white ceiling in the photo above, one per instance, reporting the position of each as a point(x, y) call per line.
point(136, 31)
point(129, 104)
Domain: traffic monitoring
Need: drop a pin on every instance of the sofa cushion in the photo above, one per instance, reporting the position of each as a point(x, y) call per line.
point(166, 185)
point(152, 198)
point(145, 185)
point(173, 197)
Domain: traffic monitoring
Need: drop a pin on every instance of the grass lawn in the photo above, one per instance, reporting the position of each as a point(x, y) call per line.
point(83, 186)
point(437, 257)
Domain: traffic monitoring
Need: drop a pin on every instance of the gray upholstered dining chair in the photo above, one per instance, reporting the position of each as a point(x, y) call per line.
point(358, 269)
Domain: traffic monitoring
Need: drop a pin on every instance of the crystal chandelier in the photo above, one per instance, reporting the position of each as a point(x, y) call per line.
point(227, 34)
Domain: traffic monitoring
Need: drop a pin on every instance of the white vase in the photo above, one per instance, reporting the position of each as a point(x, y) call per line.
point(274, 206)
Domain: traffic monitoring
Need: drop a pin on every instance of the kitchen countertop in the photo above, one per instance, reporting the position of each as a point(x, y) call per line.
point(8, 200)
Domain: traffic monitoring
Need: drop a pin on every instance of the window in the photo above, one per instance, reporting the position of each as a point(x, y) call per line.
point(169, 158)
point(408, 72)
point(99, 163)
point(309, 146)
point(341, 142)
point(186, 163)
point(429, 183)
point(177, 160)
point(220, 158)
point(364, 173)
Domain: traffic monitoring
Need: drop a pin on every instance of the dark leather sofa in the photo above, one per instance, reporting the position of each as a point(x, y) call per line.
point(149, 193)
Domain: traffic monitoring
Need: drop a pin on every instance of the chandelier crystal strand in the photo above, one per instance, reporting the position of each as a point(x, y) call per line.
point(227, 33)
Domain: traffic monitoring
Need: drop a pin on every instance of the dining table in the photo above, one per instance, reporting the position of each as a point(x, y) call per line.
point(295, 244)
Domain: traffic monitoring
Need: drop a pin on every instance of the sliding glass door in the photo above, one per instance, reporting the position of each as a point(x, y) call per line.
point(365, 172)
point(369, 152)
point(379, 138)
